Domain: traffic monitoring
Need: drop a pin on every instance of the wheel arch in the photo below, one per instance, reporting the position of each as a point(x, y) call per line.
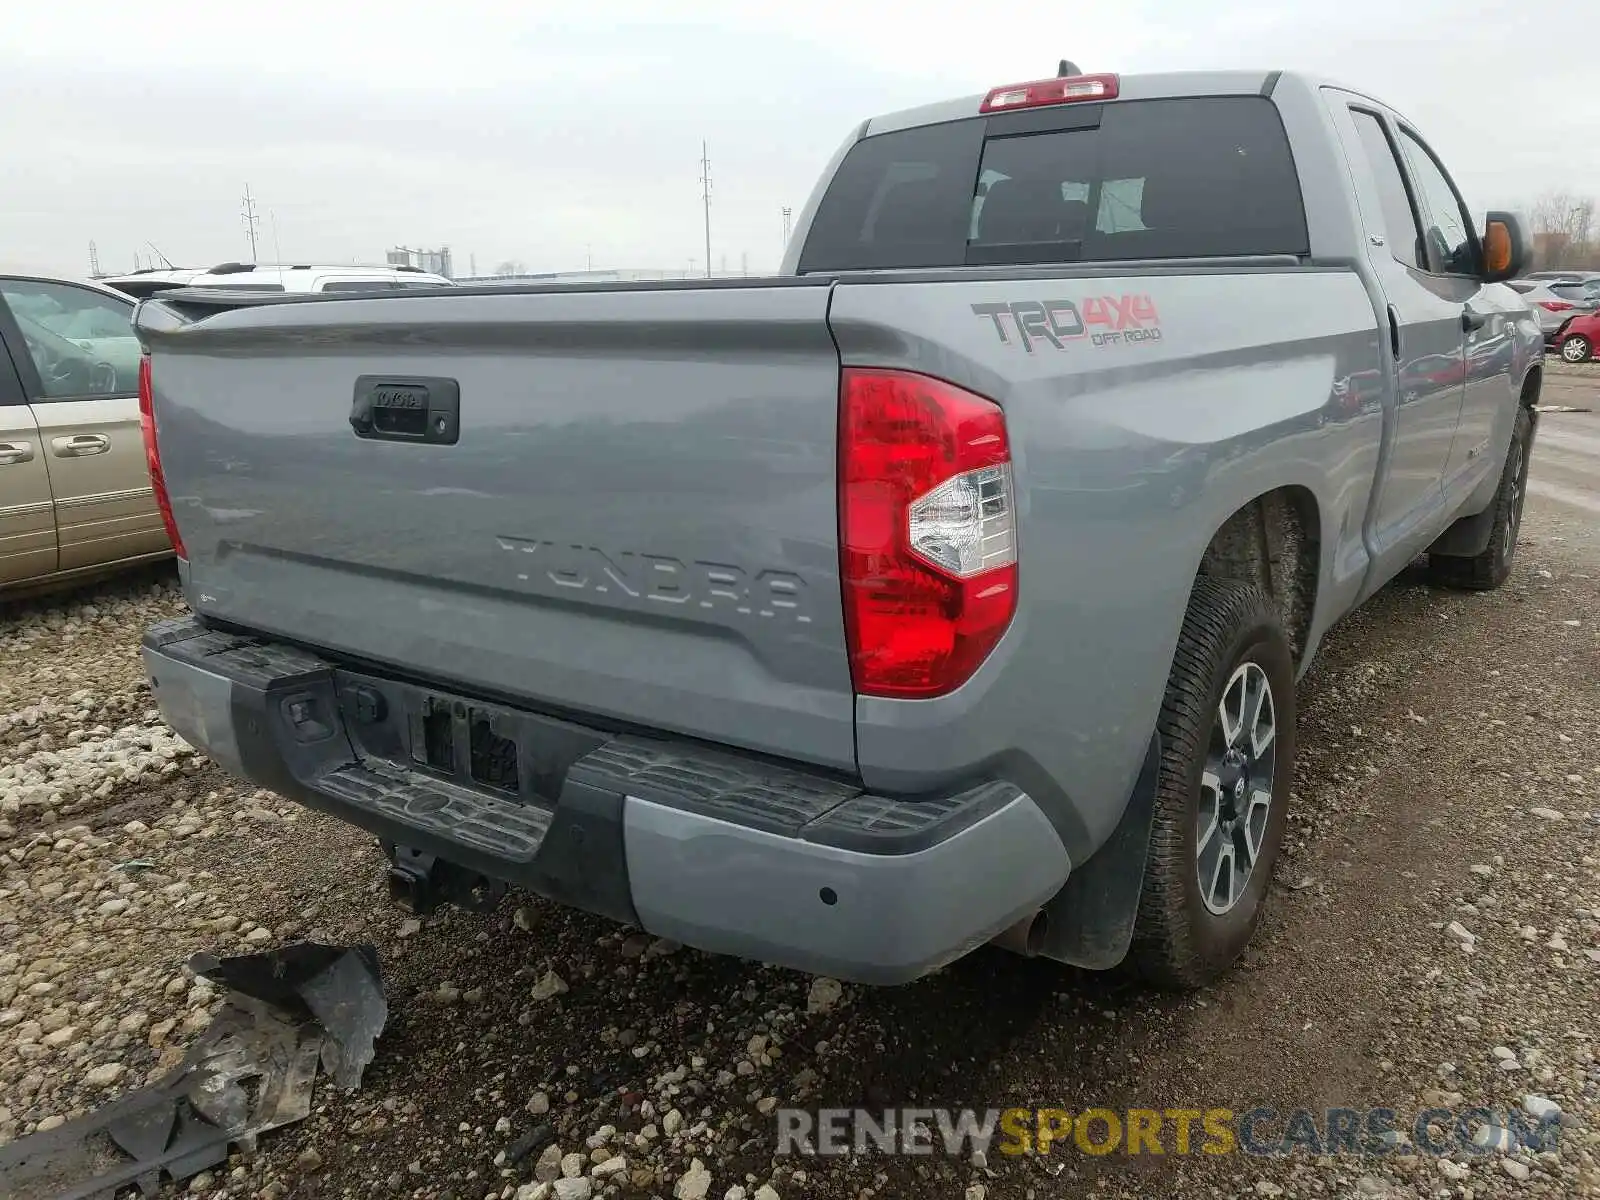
point(1533, 384)
point(1469, 534)
point(1275, 542)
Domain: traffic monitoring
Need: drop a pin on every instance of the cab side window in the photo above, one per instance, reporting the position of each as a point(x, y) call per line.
point(1447, 229)
point(1400, 226)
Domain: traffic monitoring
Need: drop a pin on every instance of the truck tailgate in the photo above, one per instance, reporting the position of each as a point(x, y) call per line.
point(636, 522)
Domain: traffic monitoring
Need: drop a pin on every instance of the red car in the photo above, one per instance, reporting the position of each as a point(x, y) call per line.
point(1578, 338)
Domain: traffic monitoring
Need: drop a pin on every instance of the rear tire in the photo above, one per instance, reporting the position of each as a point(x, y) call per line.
point(1214, 812)
point(1486, 571)
point(1576, 349)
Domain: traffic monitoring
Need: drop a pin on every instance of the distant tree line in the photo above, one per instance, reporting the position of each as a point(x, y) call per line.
point(1564, 233)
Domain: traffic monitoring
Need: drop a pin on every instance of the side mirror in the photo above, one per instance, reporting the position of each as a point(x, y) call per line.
point(1506, 248)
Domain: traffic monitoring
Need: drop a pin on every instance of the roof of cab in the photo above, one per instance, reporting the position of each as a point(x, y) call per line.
point(1153, 86)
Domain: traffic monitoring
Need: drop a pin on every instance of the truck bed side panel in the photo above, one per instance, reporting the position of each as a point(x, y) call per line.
point(637, 523)
point(1142, 412)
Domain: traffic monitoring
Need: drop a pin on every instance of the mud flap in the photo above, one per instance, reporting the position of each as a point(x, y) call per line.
point(1090, 920)
point(1467, 537)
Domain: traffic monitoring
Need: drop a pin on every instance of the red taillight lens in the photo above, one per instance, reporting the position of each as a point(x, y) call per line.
point(927, 522)
point(1050, 91)
point(152, 456)
point(1555, 305)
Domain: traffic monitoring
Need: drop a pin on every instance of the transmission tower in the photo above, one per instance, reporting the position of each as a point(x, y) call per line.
point(788, 214)
point(705, 199)
point(94, 261)
point(251, 220)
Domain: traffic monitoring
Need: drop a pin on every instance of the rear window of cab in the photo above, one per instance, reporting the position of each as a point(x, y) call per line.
point(1190, 177)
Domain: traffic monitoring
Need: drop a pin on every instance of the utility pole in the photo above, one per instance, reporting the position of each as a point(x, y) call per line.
point(705, 199)
point(94, 261)
point(251, 220)
point(787, 214)
point(472, 263)
point(588, 258)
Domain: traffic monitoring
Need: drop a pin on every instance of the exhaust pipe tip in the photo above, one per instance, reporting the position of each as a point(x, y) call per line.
point(1027, 936)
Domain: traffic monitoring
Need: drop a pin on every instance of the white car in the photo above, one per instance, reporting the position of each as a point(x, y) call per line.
point(250, 277)
point(146, 283)
point(264, 277)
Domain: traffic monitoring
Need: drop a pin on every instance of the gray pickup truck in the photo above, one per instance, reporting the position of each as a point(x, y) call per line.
point(949, 587)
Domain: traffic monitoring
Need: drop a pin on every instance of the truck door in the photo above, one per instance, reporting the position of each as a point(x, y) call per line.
point(1488, 324)
point(1410, 248)
point(27, 523)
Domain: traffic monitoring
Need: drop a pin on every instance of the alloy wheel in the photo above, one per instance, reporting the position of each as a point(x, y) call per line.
point(1236, 788)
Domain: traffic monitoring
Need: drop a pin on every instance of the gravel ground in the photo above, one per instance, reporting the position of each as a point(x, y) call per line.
point(1434, 940)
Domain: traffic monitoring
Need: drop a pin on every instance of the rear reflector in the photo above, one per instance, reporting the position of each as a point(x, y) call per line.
point(152, 456)
point(1050, 91)
point(928, 547)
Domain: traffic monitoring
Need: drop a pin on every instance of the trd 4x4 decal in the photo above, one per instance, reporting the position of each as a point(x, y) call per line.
point(1101, 320)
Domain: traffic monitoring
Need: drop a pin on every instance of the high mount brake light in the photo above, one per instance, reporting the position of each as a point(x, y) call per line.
point(152, 456)
point(927, 522)
point(1555, 305)
point(1050, 91)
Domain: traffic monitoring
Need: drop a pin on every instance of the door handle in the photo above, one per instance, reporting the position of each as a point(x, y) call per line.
point(79, 444)
point(398, 409)
point(1471, 322)
point(12, 453)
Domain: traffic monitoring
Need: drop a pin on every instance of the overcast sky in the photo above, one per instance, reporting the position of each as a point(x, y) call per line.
point(549, 130)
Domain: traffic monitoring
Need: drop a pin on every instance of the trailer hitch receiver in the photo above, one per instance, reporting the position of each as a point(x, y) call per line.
point(422, 882)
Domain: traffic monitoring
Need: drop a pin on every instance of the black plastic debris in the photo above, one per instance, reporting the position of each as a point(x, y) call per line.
point(251, 1071)
point(341, 988)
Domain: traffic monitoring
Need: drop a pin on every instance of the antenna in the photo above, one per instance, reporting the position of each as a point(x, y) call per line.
point(251, 220)
point(171, 266)
point(705, 198)
point(1067, 67)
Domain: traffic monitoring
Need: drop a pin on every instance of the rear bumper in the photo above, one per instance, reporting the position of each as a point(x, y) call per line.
point(719, 851)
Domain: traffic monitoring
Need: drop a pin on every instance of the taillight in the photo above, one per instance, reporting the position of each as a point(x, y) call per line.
point(1556, 305)
point(1063, 90)
point(152, 456)
point(927, 522)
